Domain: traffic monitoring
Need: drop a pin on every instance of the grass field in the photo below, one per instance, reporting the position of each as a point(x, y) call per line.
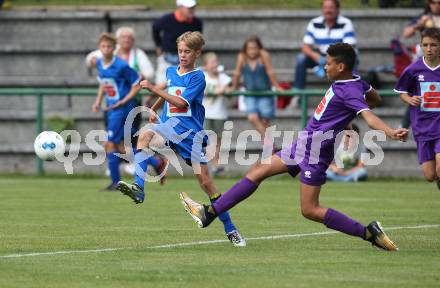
point(62, 218)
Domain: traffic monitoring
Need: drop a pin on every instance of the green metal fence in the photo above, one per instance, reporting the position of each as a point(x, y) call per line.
point(40, 93)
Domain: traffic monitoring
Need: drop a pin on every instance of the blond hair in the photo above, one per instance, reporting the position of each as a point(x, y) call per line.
point(127, 29)
point(194, 40)
point(207, 56)
point(108, 37)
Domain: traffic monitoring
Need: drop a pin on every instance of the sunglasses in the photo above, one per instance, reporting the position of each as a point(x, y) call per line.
point(435, 2)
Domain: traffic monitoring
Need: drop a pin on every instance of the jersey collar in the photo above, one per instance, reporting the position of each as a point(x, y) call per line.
point(108, 65)
point(356, 78)
point(427, 66)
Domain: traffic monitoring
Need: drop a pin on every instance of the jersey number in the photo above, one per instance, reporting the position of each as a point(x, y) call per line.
point(174, 109)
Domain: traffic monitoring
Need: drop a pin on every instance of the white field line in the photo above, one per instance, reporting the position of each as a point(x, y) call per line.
point(196, 243)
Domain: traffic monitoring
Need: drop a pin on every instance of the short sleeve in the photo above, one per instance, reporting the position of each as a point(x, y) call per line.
point(130, 75)
point(195, 87)
point(349, 35)
point(354, 100)
point(146, 68)
point(406, 83)
point(225, 80)
point(309, 38)
point(366, 86)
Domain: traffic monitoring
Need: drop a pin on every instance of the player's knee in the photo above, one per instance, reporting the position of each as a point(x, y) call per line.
point(437, 171)
point(430, 176)
point(258, 172)
point(110, 147)
point(143, 140)
point(309, 212)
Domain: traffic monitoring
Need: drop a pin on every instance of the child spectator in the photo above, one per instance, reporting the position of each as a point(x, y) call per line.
point(216, 109)
point(254, 63)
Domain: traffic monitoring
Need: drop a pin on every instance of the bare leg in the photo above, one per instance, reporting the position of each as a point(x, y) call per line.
point(429, 170)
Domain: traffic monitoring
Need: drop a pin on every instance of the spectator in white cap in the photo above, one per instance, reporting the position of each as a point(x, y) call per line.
point(167, 29)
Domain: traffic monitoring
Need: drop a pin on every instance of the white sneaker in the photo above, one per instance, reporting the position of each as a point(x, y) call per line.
point(236, 239)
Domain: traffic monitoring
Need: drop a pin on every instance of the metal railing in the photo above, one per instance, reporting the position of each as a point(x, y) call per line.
point(40, 93)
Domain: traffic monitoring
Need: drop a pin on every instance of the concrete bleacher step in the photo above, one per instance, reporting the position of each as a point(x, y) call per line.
point(48, 48)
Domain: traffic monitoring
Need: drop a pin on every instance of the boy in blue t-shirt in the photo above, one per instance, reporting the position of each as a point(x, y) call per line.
point(118, 84)
point(180, 127)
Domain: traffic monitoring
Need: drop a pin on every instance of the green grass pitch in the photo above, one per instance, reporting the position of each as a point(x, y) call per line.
point(73, 223)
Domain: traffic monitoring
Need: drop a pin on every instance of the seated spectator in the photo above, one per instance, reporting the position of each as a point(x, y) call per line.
point(353, 169)
point(329, 28)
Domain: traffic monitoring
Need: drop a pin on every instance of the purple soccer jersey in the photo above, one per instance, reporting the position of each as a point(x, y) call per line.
point(419, 79)
point(312, 153)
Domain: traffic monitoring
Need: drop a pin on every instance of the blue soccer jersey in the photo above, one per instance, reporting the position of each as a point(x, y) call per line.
point(190, 87)
point(183, 127)
point(117, 78)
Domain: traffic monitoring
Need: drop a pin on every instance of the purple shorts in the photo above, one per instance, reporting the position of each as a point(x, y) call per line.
point(426, 150)
point(313, 166)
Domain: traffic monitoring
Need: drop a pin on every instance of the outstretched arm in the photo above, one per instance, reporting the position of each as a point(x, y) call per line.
point(376, 123)
point(176, 101)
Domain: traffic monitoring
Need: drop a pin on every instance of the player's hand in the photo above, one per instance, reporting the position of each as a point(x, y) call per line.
point(95, 107)
point(400, 134)
point(415, 101)
point(152, 118)
point(145, 84)
point(116, 105)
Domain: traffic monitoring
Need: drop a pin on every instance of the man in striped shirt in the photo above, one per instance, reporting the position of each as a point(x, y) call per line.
point(322, 31)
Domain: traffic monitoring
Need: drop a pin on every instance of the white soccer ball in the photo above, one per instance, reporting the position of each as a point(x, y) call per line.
point(48, 145)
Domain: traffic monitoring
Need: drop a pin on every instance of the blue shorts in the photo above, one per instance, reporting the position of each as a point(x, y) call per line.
point(115, 128)
point(263, 106)
point(190, 148)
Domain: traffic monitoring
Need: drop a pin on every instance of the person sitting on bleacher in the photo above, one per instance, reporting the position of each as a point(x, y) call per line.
point(329, 28)
point(348, 166)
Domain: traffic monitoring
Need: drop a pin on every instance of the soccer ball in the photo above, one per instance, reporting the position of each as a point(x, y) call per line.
point(48, 145)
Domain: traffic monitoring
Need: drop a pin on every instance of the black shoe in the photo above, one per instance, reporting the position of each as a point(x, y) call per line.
point(378, 238)
point(438, 184)
point(110, 188)
point(131, 190)
point(197, 211)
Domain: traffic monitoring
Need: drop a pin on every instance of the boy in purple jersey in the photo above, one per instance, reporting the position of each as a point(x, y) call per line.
point(419, 87)
point(180, 123)
point(345, 99)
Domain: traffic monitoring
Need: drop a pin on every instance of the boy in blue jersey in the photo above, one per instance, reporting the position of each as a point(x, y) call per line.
point(118, 83)
point(346, 98)
point(180, 123)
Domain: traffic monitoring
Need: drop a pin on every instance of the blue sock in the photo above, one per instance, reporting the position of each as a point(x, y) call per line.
point(225, 218)
point(153, 162)
point(113, 166)
point(141, 160)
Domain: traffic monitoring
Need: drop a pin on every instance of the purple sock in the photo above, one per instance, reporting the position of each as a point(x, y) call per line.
point(337, 221)
point(240, 191)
